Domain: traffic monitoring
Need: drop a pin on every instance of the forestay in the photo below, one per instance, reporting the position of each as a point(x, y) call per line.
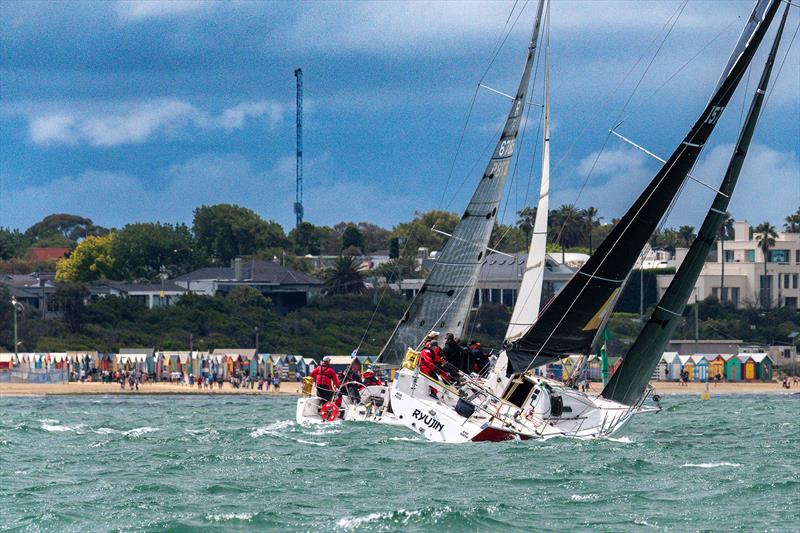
point(444, 300)
point(571, 320)
point(630, 381)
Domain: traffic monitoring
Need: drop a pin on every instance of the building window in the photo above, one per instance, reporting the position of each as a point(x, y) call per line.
point(508, 297)
point(485, 296)
point(751, 256)
point(785, 281)
point(496, 296)
point(787, 353)
point(778, 256)
point(476, 298)
point(795, 280)
point(790, 302)
point(728, 256)
point(734, 296)
point(797, 256)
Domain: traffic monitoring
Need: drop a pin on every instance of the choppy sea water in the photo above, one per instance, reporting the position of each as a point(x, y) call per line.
point(173, 463)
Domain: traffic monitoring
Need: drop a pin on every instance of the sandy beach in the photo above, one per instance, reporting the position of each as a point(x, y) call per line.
point(293, 389)
point(47, 389)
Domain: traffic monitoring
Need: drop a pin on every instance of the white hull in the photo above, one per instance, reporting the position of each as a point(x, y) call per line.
point(437, 419)
point(373, 407)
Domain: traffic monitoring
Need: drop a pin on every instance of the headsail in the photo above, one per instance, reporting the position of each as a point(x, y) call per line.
point(529, 295)
point(630, 381)
point(445, 298)
point(571, 320)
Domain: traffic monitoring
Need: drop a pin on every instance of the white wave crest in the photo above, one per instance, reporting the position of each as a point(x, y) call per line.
point(229, 516)
point(584, 497)
point(623, 440)
point(301, 441)
point(271, 429)
point(105, 431)
point(352, 523)
point(56, 428)
point(710, 465)
point(405, 439)
point(138, 432)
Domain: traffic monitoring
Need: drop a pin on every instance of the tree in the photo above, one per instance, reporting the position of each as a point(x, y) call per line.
point(526, 221)
point(144, 250)
point(92, 259)
point(226, 231)
point(346, 277)
point(352, 237)
point(686, 236)
point(69, 227)
point(792, 224)
point(394, 248)
point(725, 232)
point(765, 236)
point(508, 239)
point(565, 227)
point(375, 237)
point(70, 298)
point(306, 239)
point(12, 243)
point(591, 220)
point(417, 233)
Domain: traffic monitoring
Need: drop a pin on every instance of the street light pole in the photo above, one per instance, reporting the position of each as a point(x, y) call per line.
point(16, 307)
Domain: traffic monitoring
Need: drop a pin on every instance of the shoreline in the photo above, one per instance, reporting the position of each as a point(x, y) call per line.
point(290, 389)
point(293, 389)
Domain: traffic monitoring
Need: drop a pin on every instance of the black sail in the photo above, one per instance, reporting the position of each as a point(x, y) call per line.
point(630, 380)
point(444, 300)
point(571, 320)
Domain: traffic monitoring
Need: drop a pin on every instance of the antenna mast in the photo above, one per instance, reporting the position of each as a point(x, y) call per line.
point(298, 202)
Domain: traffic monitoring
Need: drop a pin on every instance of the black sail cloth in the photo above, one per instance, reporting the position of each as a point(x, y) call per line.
point(570, 322)
point(630, 380)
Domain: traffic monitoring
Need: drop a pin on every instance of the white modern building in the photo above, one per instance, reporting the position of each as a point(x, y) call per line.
point(745, 284)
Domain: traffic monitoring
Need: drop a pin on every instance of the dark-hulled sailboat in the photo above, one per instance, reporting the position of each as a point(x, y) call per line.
point(533, 407)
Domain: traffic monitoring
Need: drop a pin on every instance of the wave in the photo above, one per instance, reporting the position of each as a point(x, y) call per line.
point(138, 432)
point(624, 440)
point(230, 516)
point(584, 497)
point(54, 428)
point(710, 465)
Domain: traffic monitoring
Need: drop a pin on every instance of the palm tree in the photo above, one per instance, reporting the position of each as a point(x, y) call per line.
point(686, 236)
point(591, 221)
point(792, 224)
point(765, 235)
point(725, 232)
point(346, 277)
point(526, 220)
point(566, 227)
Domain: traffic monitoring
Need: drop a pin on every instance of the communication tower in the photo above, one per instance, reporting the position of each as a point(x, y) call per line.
point(298, 202)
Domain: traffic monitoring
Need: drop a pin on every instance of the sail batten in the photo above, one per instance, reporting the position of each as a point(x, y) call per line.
point(630, 381)
point(445, 298)
point(569, 323)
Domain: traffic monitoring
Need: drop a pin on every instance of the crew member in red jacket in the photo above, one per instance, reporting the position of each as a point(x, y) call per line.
point(370, 379)
point(325, 379)
point(430, 358)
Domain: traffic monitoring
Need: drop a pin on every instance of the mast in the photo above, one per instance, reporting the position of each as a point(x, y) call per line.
point(630, 381)
point(570, 322)
point(529, 296)
point(445, 298)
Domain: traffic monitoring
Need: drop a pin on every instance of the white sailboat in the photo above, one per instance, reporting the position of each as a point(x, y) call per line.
point(444, 301)
point(527, 406)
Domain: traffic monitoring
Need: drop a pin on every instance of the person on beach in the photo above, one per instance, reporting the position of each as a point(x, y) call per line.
point(276, 382)
point(267, 382)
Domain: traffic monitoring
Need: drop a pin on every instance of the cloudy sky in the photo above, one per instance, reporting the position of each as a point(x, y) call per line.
point(138, 111)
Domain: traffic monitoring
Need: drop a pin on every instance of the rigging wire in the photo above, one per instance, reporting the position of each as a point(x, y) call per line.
point(674, 20)
point(602, 261)
point(495, 53)
point(496, 50)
